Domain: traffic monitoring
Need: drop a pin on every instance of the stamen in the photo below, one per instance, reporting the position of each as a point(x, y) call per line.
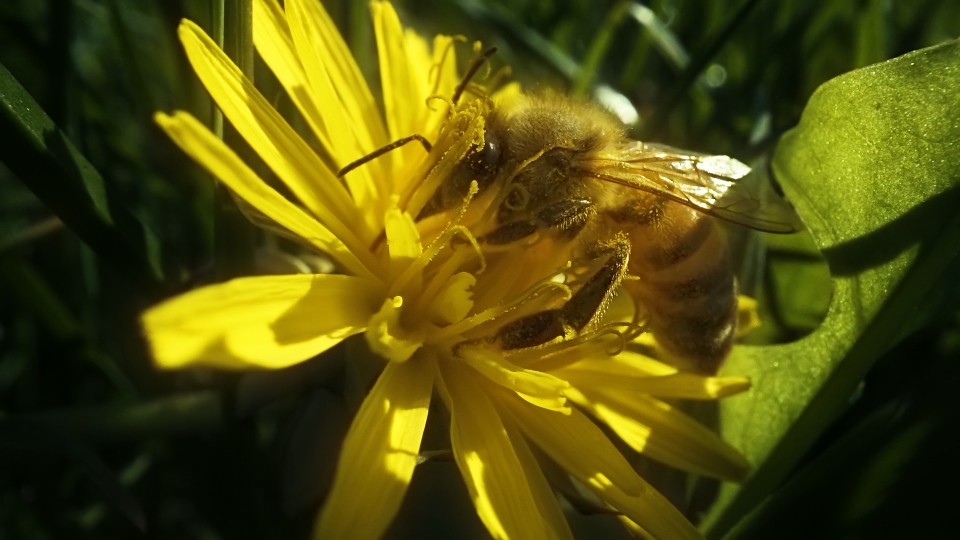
point(435, 97)
point(558, 355)
point(477, 90)
point(450, 266)
point(499, 76)
point(466, 129)
point(475, 65)
point(436, 283)
point(537, 291)
point(613, 331)
point(453, 228)
point(500, 371)
point(635, 331)
point(472, 240)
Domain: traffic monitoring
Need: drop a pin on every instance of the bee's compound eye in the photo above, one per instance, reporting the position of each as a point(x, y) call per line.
point(490, 153)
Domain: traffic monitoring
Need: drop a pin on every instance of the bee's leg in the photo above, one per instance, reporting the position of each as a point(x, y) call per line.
point(582, 308)
point(587, 303)
point(383, 150)
point(567, 216)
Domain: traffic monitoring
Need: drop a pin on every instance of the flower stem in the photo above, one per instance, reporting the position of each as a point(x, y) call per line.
point(234, 236)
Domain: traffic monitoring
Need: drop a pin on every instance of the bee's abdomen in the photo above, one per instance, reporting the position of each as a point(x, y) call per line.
point(686, 285)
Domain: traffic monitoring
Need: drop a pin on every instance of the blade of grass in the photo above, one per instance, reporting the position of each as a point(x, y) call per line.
point(556, 58)
point(598, 49)
point(48, 163)
point(234, 236)
point(31, 233)
point(672, 97)
point(178, 414)
point(661, 36)
point(657, 32)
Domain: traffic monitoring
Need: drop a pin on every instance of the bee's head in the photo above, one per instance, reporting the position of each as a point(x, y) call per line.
point(483, 165)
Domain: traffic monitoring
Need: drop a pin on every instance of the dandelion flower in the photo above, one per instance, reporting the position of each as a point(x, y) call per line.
point(423, 294)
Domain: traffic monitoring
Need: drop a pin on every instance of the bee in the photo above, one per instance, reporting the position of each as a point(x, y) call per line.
point(624, 208)
point(566, 171)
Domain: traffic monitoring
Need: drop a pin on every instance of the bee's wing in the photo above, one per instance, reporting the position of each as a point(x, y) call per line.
point(717, 185)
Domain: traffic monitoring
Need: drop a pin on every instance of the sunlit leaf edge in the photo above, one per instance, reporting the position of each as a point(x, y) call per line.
point(870, 169)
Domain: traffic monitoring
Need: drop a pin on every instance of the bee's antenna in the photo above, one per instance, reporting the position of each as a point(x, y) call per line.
point(471, 71)
point(383, 150)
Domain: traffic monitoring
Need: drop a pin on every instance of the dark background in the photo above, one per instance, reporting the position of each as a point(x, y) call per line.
point(94, 443)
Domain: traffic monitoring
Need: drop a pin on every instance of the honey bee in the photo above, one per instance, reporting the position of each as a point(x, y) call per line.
point(632, 208)
point(567, 171)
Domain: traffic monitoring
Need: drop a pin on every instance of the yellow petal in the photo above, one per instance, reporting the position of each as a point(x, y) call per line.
point(445, 75)
point(692, 386)
point(642, 365)
point(443, 82)
point(271, 37)
point(400, 95)
point(650, 510)
point(419, 63)
point(678, 386)
point(268, 321)
point(545, 388)
point(542, 491)
point(663, 433)
point(509, 92)
point(455, 299)
point(634, 529)
point(568, 354)
point(403, 243)
point(205, 148)
point(386, 335)
point(274, 140)
point(379, 453)
point(494, 475)
point(316, 37)
point(405, 71)
point(575, 443)
point(343, 71)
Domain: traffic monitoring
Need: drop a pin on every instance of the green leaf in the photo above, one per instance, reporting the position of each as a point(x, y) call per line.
point(873, 169)
point(49, 164)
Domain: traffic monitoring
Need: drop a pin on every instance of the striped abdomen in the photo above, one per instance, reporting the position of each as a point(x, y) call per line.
point(686, 282)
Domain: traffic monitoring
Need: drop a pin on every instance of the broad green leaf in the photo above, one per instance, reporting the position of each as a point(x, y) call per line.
point(49, 164)
point(794, 292)
point(873, 169)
